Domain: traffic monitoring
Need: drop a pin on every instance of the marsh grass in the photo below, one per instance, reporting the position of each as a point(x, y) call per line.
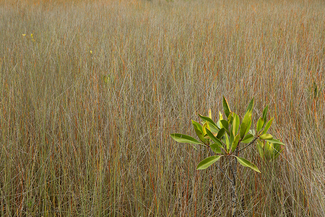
point(87, 133)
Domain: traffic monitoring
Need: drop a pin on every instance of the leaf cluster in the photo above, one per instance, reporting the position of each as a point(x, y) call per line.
point(226, 136)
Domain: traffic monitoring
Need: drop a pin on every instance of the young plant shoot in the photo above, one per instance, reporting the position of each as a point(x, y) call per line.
point(227, 138)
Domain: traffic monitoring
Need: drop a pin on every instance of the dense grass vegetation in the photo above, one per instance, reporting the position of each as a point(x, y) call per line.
point(88, 101)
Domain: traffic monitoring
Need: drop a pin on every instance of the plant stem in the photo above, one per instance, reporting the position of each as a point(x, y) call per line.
point(233, 186)
point(224, 173)
point(247, 146)
point(233, 198)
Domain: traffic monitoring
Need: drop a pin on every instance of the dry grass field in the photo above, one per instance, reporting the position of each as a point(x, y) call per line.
point(91, 90)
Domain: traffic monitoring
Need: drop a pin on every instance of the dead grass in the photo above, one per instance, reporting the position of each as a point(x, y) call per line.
point(87, 134)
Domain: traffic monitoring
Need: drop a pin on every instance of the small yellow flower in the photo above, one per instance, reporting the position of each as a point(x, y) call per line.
point(31, 35)
point(24, 35)
point(91, 52)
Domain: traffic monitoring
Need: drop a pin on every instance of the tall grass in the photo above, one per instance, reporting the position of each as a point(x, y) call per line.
point(87, 105)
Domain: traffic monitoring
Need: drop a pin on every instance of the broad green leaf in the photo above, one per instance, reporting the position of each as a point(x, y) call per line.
point(213, 127)
point(220, 146)
point(184, 138)
point(260, 148)
point(225, 125)
point(199, 131)
point(209, 120)
point(235, 143)
point(221, 133)
point(246, 123)
point(197, 125)
point(275, 141)
point(226, 108)
point(248, 126)
point(259, 124)
point(226, 139)
point(200, 135)
point(208, 162)
point(248, 138)
point(272, 151)
point(250, 106)
point(242, 130)
point(247, 117)
point(265, 113)
point(246, 163)
point(268, 151)
point(235, 124)
point(230, 118)
point(213, 138)
point(268, 125)
point(216, 148)
point(266, 136)
point(231, 139)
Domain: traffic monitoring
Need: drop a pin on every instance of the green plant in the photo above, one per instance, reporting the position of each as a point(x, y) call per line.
point(225, 137)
